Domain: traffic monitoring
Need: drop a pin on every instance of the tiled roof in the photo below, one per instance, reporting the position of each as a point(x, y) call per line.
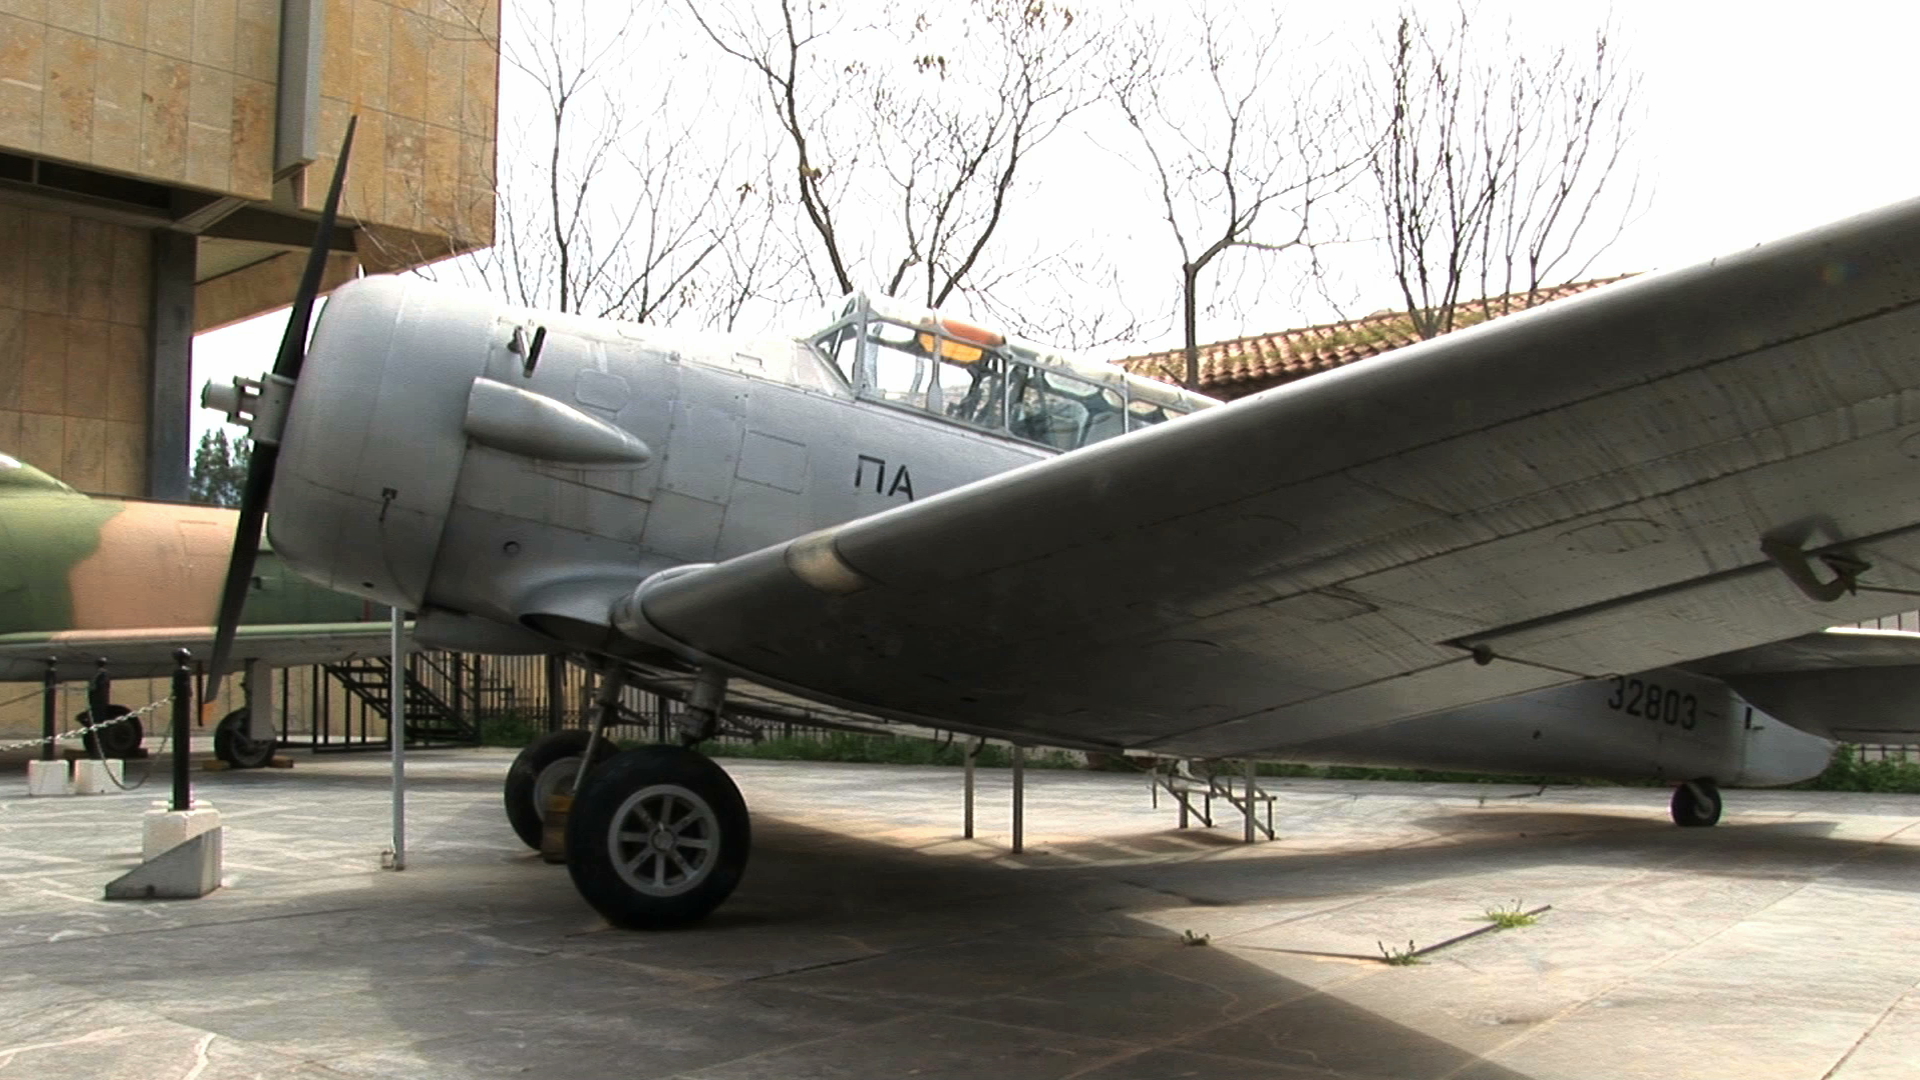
point(1243, 365)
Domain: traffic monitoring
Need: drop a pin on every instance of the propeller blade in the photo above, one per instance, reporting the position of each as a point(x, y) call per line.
point(253, 498)
point(293, 344)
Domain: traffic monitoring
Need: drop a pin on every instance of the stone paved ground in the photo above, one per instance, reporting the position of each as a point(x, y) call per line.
point(869, 941)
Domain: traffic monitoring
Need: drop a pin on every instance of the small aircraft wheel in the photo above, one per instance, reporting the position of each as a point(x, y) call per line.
point(545, 768)
point(115, 740)
point(233, 745)
point(658, 837)
point(1696, 804)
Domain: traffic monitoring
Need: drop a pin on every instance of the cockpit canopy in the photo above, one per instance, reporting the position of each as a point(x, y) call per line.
point(18, 476)
point(916, 359)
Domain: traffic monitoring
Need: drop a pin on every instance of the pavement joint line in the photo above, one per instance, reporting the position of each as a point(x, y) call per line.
point(1871, 1028)
point(190, 926)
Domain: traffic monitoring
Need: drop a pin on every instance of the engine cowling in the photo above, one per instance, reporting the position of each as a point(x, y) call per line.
point(373, 442)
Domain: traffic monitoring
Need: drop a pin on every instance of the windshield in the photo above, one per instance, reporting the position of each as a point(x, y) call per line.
point(969, 375)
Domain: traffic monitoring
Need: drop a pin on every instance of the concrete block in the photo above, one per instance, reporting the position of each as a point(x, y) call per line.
point(47, 777)
point(97, 777)
point(187, 871)
point(165, 829)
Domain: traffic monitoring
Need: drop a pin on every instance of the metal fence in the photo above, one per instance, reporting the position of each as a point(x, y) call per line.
point(455, 699)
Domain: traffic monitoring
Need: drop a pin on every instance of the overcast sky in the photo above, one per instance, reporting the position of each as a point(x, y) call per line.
point(1762, 119)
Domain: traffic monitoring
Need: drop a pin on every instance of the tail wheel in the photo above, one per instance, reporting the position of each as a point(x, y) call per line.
point(544, 769)
point(1696, 804)
point(233, 745)
point(114, 740)
point(658, 837)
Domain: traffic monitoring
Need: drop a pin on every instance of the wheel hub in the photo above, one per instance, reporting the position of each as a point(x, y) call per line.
point(555, 779)
point(664, 840)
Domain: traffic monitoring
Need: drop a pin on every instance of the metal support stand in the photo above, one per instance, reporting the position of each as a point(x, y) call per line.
point(397, 736)
point(182, 719)
point(1249, 802)
point(1019, 798)
point(49, 711)
point(972, 753)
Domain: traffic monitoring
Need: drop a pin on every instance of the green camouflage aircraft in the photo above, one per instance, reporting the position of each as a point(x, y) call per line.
point(85, 578)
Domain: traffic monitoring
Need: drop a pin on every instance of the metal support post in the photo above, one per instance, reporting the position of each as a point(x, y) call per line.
point(1019, 798)
point(1248, 794)
point(397, 738)
point(556, 691)
point(49, 710)
point(182, 719)
point(99, 693)
point(476, 699)
point(460, 711)
point(972, 753)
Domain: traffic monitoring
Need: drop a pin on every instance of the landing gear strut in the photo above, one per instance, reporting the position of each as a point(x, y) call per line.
point(659, 836)
point(1696, 803)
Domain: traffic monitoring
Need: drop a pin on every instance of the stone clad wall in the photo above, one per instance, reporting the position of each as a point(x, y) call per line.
point(74, 310)
point(183, 92)
point(423, 76)
point(176, 91)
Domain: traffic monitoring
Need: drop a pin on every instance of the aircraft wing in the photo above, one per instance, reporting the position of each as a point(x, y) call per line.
point(1835, 647)
point(1574, 491)
point(148, 651)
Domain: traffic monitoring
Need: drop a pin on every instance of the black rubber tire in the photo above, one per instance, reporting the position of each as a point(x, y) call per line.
point(231, 744)
point(524, 811)
point(725, 828)
point(113, 741)
point(1690, 810)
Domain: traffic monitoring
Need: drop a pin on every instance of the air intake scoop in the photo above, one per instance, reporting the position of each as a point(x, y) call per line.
point(535, 426)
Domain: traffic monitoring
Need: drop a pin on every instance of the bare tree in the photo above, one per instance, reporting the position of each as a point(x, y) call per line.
point(907, 138)
point(1239, 150)
point(1498, 167)
point(616, 197)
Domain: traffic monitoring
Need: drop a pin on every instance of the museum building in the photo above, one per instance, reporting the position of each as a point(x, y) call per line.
point(162, 166)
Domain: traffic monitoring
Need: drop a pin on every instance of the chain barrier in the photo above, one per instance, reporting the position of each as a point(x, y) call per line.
point(89, 729)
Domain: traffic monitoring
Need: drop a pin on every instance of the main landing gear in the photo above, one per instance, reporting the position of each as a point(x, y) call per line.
point(1696, 803)
point(655, 837)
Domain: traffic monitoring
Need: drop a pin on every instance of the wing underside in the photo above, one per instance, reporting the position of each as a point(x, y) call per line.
point(1570, 492)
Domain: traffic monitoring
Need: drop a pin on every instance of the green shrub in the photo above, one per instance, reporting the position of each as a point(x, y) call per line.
point(511, 729)
point(1848, 771)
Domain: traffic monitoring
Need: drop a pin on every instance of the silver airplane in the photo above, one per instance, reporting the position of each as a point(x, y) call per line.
point(1602, 537)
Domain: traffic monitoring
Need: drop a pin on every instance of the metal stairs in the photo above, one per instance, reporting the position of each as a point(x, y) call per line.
point(429, 718)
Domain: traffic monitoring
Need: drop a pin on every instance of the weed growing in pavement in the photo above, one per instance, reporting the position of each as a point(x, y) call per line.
point(1399, 957)
point(1508, 918)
